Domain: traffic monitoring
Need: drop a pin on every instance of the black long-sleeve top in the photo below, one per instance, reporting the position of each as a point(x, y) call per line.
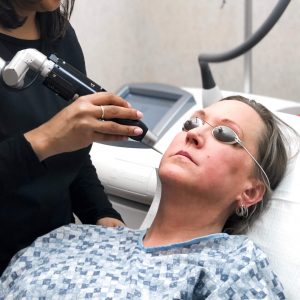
point(36, 197)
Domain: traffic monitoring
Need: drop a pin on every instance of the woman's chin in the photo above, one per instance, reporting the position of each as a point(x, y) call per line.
point(174, 174)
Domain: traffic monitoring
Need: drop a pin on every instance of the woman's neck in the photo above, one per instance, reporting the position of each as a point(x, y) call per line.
point(28, 31)
point(181, 217)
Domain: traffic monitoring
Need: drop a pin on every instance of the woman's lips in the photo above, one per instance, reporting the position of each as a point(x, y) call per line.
point(186, 154)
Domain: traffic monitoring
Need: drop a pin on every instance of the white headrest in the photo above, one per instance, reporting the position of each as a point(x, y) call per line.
point(277, 231)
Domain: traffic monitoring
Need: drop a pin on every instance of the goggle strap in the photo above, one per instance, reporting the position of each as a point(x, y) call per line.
point(257, 163)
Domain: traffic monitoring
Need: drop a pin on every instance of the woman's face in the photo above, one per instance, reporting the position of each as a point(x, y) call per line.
point(203, 165)
point(38, 6)
point(48, 5)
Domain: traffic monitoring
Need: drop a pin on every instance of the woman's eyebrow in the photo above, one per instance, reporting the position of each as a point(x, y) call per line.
point(199, 113)
point(238, 130)
point(225, 121)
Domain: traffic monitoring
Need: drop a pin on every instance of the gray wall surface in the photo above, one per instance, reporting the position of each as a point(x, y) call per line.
point(128, 41)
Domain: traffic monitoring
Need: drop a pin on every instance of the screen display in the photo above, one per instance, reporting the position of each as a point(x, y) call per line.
point(153, 108)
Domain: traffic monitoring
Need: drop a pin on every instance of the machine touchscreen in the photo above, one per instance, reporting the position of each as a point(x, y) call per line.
point(161, 104)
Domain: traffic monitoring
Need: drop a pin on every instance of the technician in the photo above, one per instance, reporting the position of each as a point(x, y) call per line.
point(46, 173)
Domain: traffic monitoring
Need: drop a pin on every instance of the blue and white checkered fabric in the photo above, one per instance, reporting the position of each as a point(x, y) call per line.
point(93, 262)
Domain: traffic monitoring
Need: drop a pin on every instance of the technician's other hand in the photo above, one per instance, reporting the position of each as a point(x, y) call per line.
point(78, 125)
point(110, 222)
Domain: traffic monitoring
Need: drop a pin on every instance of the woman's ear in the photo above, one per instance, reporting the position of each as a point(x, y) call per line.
point(253, 194)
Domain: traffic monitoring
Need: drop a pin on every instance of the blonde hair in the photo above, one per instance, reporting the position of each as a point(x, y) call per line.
point(272, 156)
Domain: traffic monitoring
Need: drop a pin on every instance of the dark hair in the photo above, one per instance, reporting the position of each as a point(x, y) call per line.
point(272, 156)
point(52, 24)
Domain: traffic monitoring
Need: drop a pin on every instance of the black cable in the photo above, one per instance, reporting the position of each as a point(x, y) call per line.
point(30, 83)
point(252, 41)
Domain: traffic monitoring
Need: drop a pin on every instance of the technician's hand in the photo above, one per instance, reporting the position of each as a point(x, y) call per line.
point(78, 125)
point(110, 222)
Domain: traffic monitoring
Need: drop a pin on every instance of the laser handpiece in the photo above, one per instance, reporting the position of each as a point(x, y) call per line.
point(63, 79)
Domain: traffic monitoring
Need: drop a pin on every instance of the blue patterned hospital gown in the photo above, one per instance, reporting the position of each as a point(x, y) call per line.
point(86, 261)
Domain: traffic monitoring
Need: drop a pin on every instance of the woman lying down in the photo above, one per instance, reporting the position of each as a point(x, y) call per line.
point(216, 178)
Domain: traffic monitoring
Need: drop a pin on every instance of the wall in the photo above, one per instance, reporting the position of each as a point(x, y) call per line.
point(159, 41)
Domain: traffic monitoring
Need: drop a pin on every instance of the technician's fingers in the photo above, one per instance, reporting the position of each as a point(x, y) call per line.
point(107, 106)
point(109, 128)
point(110, 222)
point(106, 112)
point(101, 137)
point(104, 98)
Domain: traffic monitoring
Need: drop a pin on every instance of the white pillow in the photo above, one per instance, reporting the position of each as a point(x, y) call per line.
point(277, 231)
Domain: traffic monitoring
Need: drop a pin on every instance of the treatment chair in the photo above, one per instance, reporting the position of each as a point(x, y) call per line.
point(277, 231)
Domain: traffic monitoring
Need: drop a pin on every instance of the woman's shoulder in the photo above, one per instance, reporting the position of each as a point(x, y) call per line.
point(244, 245)
point(68, 38)
point(70, 31)
point(69, 49)
point(84, 232)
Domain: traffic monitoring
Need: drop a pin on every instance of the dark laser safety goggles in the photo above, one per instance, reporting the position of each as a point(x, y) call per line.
point(226, 135)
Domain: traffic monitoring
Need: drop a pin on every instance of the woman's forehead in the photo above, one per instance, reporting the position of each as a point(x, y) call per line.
point(237, 112)
point(233, 110)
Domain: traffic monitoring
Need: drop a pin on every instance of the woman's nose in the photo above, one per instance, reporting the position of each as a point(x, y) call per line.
point(195, 137)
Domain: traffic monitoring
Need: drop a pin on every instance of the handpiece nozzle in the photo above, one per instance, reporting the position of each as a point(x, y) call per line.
point(147, 137)
point(150, 140)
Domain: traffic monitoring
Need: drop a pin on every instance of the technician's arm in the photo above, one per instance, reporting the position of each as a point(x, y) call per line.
point(73, 128)
point(78, 125)
point(18, 163)
point(89, 201)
